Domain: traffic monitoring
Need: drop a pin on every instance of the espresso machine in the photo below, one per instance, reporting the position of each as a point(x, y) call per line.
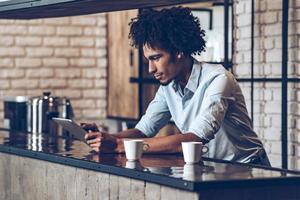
point(41, 109)
point(34, 114)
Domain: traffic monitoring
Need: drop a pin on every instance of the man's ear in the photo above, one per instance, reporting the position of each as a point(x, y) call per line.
point(180, 55)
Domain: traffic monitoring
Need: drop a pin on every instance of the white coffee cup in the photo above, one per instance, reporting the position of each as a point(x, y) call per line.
point(193, 151)
point(134, 149)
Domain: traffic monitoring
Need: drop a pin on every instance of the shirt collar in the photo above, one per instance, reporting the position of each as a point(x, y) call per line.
point(194, 78)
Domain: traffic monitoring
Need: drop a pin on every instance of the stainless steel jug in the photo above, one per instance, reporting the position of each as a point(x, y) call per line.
point(40, 111)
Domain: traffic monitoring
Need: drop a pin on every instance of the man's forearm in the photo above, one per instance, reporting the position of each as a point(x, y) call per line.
point(130, 133)
point(167, 144)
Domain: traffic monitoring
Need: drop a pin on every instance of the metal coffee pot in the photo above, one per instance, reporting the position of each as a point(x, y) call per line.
point(40, 111)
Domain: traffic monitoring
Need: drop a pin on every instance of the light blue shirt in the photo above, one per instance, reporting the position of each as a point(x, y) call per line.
point(211, 106)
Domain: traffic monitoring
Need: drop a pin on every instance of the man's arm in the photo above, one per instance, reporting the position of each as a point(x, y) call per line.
point(130, 133)
point(166, 144)
point(105, 142)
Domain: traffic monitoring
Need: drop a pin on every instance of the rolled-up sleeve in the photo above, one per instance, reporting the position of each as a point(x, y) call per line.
point(157, 115)
point(216, 101)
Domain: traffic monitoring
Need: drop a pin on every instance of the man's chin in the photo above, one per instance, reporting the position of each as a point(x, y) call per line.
point(165, 83)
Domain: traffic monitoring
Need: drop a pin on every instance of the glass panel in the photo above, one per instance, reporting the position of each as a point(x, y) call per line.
point(267, 118)
point(293, 125)
point(209, 18)
point(267, 46)
point(2, 121)
point(293, 67)
point(149, 91)
point(293, 46)
point(246, 89)
point(145, 69)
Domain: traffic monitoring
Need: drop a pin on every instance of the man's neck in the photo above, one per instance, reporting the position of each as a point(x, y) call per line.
point(186, 72)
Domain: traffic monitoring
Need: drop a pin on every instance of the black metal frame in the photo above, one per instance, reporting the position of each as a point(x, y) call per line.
point(284, 80)
point(226, 39)
point(284, 110)
point(23, 9)
point(141, 80)
point(252, 60)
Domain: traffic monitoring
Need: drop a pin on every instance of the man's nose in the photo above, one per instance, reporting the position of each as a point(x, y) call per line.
point(151, 67)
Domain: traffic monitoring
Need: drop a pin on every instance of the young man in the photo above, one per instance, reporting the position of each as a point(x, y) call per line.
point(204, 100)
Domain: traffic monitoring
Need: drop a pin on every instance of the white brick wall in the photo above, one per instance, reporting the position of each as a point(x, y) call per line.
point(267, 59)
point(66, 56)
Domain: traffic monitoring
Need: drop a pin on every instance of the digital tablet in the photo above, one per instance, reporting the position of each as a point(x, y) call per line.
point(74, 129)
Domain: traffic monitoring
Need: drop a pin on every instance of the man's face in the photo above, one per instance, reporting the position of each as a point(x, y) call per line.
point(162, 65)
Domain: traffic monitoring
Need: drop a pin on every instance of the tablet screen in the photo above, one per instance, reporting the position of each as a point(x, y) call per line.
point(74, 129)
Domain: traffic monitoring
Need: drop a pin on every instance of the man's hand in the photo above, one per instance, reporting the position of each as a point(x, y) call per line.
point(89, 127)
point(102, 142)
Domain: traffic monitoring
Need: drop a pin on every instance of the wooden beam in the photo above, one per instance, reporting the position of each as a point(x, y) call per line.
point(33, 9)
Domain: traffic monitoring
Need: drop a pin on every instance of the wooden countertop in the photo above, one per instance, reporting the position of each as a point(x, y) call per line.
point(168, 170)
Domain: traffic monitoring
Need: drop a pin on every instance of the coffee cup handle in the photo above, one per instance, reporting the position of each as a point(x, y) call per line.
point(146, 170)
point(145, 147)
point(205, 149)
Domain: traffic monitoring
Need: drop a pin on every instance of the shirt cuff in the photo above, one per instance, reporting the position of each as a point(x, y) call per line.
point(145, 126)
point(205, 135)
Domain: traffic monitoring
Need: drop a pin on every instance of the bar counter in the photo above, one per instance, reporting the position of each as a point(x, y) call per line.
point(39, 166)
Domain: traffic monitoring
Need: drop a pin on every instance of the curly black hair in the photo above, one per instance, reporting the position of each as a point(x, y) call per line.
point(174, 30)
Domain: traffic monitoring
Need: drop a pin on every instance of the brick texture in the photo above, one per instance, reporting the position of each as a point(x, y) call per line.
point(66, 56)
point(267, 63)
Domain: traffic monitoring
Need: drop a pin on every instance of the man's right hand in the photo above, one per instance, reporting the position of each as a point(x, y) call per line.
point(89, 127)
point(101, 142)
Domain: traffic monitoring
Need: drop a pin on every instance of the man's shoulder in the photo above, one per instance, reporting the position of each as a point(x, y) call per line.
point(210, 71)
point(211, 67)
